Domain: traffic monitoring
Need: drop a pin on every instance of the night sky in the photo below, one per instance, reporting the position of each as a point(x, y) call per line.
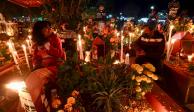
point(141, 8)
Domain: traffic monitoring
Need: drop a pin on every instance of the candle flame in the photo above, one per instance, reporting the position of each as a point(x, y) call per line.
point(171, 27)
point(16, 85)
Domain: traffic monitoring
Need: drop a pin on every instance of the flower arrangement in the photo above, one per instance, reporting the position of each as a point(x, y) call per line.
point(103, 86)
point(143, 76)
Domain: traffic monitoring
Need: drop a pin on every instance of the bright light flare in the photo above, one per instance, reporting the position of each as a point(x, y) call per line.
point(16, 85)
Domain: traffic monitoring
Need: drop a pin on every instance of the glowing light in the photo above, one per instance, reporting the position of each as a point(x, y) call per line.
point(152, 7)
point(116, 62)
point(190, 58)
point(16, 85)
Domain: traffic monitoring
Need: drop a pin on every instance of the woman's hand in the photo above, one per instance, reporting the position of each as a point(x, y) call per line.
point(47, 45)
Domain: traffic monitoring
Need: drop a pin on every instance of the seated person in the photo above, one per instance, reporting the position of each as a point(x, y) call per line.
point(47, 57)
point(152, 42)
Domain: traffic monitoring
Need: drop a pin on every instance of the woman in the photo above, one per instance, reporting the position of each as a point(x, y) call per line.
point(47, 57)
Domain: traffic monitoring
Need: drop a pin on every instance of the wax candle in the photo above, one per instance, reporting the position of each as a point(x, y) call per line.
point(121, 56)
point(169, 42)
point(80, 47)
point(127, 58)
point(26, 55)
point(190, 58)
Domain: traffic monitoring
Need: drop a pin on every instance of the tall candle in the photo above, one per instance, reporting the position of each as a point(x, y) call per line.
point(171, 48)
point(14, 55)
point(169, 42)
point(30, 40)
point(130, 38)
point(28, 44)
point(121, 56)
point(80, 47)
point(127, 58)
point(13, 52)
point(26, 55)
point(84, 29)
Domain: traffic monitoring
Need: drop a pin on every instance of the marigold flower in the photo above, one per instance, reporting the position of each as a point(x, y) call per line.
point(150, 67)
point(75, 93)
point(137, 68)
point(138, 89)
point(155, 77)
point(71, 100)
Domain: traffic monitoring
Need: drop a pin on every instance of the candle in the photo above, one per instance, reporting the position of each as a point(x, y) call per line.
point(87, 57)
point(127, 58)
point(169, 42)
point(80, 47)
point(28, 44)
point(30, 40)
point(141, 32)
point(190, 58)
point(116, 62)
point(14, 55)
point(26, 56)
point(171, 48)
point(121, 56)
point(13, 52)
point(130, 39)
point(84, 29)
point(24, 96)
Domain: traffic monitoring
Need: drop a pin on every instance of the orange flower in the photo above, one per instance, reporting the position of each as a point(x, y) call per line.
point(71, 100)
point(75, 93)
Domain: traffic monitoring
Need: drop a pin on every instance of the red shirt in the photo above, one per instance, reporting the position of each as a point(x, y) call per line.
point(49, 58)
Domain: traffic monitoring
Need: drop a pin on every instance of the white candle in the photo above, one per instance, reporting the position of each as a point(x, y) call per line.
point(80, 47)
point(121, 57)
point(169, 42)
point(13, 52)
point(29, 46)
point(87, 57)
point(26, 55)
point(130, 38)
point(116, 62)
point(190, 58)
point(30, 40)
point(127, 58)
point(171, 48)
point(84, 29)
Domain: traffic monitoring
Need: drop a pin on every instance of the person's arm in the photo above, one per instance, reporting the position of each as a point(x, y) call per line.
point(55, 48)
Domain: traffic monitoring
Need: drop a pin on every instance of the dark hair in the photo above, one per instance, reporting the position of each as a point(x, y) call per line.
point(37, 35)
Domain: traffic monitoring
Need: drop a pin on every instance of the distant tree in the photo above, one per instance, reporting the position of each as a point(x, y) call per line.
point(64, 10)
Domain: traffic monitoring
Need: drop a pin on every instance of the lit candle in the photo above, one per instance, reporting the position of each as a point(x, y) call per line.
point(84, 29)
point(190, 58)
point(141, 32)
point(24, 95)
point(87, 57)
point(116, 62)
point(169, 42)
point(30, 40)
point(130, 38)
point(26, 55)
point(28, 44)
point(121, 57)
point(14, 55)
point(171, 48)
point(127, 58)
point(13, 52)
point(80, 47)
